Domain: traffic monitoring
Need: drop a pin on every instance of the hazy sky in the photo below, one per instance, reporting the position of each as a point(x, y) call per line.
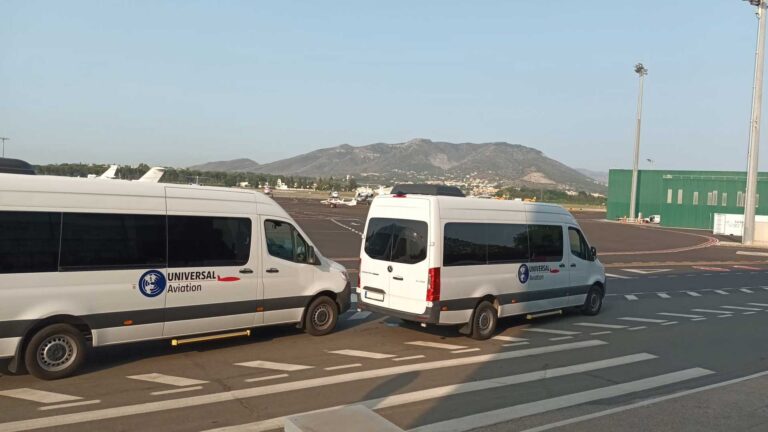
point(183, 82)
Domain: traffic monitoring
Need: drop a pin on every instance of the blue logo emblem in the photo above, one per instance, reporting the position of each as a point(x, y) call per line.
point(152, 283)
point(523, 273)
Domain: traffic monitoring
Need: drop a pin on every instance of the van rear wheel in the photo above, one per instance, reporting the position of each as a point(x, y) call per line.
point(484, 321)
point(54, 352)
point(593, 302)
point(321, 316)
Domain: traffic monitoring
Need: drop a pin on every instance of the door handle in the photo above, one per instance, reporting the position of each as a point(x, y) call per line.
point(398, 278)
point(573, 265)
point(273, 270)
point(562, 265)
point(246, 271)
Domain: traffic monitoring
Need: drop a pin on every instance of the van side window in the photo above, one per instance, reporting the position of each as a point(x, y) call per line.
point(203, 241)
point(546, 243)
point(29, 242)
point(484, 243)
point(396, 240)
point(285, 242)
point(579, 246)
point(93, 241)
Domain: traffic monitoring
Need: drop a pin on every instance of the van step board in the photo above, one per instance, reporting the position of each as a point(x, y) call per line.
point(177, 342)
point(544, 314)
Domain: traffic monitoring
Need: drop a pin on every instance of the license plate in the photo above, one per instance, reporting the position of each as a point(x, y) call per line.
point(374, 296)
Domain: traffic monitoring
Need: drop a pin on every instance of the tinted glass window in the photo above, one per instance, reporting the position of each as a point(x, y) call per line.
point(104, 241)
point(507, 243)
point(398, 240)
point(546, 242)
point(197, 241)
point(285, 242)
point(465, 244)
point(29, 242)
point(579, 246)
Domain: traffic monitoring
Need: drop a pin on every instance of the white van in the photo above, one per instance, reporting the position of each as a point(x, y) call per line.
point(449, 260)
point(93, 262)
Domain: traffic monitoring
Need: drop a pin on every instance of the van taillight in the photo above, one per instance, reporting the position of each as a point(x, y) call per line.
point(433, 284)
point(359, 277)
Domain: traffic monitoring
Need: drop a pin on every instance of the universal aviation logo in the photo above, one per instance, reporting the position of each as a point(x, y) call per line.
point(523, 273)
point(152, 283)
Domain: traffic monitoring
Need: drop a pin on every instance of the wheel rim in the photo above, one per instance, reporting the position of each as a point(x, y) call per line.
point(594, 302)
point(322, 317)
point(57, 352)
point(484, 321)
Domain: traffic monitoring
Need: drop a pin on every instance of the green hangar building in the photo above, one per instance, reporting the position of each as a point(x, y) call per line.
point(683, 199)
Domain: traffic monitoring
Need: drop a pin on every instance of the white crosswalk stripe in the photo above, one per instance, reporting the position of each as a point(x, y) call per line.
point(611, 275)
point(600, 325)
point(509, 338)
point(663, 295)
point(285, 367)
point(631, 297)
point(364, 354)
point(679, 315)
point(693, 293)
point(167, 380)
point(758, 304)
point(746, 290)
point(550, 331)
point(38, 395)
point(721, 312)
point(741, 308)
point(648, 320)
point(721, 292)
point(436, 345)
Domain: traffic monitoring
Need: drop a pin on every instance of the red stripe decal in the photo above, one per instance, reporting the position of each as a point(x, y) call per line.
point(227, 279)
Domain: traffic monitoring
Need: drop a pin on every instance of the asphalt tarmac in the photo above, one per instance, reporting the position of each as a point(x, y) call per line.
point(672, 334)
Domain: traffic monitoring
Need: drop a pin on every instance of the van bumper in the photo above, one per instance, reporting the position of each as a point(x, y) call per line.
point(429, 316)
point(344, 298)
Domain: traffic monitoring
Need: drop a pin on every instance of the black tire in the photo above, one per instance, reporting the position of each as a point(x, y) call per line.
point(484, 321)
point(321, 316)
point(55, 352)
point(593, 302)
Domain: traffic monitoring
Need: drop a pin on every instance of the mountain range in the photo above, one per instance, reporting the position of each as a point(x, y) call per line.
point(423, 159)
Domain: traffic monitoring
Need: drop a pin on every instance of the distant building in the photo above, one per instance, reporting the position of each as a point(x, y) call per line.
point(684, 199)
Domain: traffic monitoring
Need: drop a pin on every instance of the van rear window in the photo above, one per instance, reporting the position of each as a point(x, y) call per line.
point(396, 240)
point(29, 242)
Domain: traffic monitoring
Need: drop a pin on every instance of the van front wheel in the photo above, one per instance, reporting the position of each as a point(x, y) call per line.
point(54, 352)
point(484, 321)
point(321, 316)
point(593, 302)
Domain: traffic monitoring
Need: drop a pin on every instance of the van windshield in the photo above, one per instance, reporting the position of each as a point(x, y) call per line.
point(396, 240)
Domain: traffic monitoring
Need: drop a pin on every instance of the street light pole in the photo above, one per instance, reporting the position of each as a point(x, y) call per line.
point(3, 139)
point(641, 71)
point(750, 201)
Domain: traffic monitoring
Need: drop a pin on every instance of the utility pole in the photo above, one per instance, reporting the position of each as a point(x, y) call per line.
point(4, 139)
point(641, 71)
point(754, 130)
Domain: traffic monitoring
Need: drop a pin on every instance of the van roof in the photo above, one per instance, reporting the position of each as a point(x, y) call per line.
point(99, 186)
point(449, 202)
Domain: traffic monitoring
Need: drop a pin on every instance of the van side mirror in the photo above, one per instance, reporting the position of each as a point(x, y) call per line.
point(592, 253)
point(312, 256)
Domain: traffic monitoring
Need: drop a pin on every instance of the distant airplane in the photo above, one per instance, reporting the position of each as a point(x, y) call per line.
point(335, 202)
point(108, 174)
point(153, 175)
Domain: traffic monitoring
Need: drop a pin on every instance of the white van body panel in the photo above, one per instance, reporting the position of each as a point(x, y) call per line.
point(548, 284)
point(108, 301)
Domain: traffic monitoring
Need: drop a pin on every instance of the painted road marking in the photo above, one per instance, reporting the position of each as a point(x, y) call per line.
point(359, 315)
point(721, 312)
point(669, 323)
point(748, 313)
point(266, 378)
point(693, 293)
point(177, 390)
point(608, 326)
point(551, 331)
point(678, 315)
point(617, 276)
point(490, 418)
point(741, 308)
point(38, 395)
point(758, 304)
point(746, 290)
point(167, 379)
point(364, 354)
point(698, 319)
point(630, 297)
point(515, 344)
point(752, 253)
point(353, 365)
point(399, 359)
point(465, 351)
point(450, 390)
point(663, 295)
point(716, 269)
point(207, 399)
point(743, 267)
point(68, 405)
point(436, 345)
point(637, 328)
point(600, 333)
point(721, 292)
point(647, 271)
point(509, 338)
point(724, 316)
point(285, 367)
point(559, 338)
point(648, 320)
